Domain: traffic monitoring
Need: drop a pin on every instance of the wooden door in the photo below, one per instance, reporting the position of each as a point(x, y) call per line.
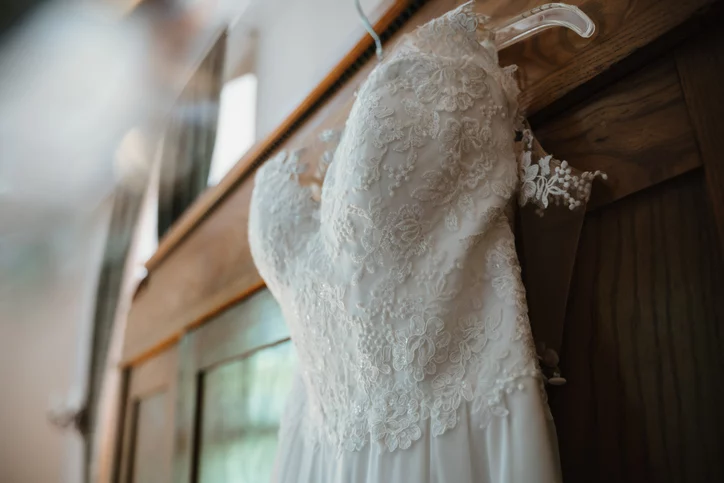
point(147, 436)
point(235, 374)
point(642, 346)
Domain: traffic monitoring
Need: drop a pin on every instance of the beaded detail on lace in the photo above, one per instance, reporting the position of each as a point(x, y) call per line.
point(402, 287)
point(547, 180)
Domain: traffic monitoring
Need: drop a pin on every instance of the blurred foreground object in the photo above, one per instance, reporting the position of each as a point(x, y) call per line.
point(74, 80)
point(79, 110)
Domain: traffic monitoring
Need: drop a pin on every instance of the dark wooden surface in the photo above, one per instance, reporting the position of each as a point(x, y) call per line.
point(637, 130)
point(701, 67)
point(642, 346)
point(212, 268)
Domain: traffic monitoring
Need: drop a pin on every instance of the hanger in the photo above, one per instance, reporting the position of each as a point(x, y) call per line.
point(370, 29)
point(542, 18)
point(520, 27)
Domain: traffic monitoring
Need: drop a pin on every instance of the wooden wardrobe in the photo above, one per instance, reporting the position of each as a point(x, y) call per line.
point(207, 356)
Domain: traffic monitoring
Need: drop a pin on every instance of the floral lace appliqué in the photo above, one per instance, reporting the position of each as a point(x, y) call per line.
point(548, 180)
point(402, 287)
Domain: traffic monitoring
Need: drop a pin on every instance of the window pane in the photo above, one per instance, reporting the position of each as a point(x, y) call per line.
point(242, 406)
point(236, 129)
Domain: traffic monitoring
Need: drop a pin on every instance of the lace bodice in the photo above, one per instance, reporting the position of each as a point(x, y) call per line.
point(401, 287)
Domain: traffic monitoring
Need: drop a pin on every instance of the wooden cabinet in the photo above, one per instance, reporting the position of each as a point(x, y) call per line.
point(644, 330)
point(208, 410)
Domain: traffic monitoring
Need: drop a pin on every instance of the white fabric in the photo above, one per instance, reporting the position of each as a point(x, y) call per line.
point(402, 287)
point(521, 448)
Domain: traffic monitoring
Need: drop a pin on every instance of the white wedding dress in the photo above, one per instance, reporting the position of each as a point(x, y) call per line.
point(402, 287)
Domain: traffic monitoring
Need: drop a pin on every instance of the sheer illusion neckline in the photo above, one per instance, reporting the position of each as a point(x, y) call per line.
point(478, 45)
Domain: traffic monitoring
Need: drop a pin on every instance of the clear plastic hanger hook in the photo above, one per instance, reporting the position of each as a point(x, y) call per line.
point(370, 29)
point(541, 18)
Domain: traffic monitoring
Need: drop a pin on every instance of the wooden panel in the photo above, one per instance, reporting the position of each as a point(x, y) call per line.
point(638, 131)
point(213, 268)
point(642, 349)
point(235, 375)
point(243, 402)
point(150, 459)
point(701, 65)
point(147, 436)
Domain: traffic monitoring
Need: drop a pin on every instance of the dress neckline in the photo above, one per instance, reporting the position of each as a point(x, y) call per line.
point(464, 32)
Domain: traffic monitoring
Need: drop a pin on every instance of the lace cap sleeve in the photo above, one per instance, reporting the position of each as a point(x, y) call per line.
point(546, 181)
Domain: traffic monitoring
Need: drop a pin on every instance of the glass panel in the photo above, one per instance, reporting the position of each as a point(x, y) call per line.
point(235, 132)
point(242, 406)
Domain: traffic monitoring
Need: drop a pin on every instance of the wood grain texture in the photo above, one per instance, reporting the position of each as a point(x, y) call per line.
point(623, 28)
point(213, 268)
point(637, 131)
point(642, 348)
point(701, 67)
